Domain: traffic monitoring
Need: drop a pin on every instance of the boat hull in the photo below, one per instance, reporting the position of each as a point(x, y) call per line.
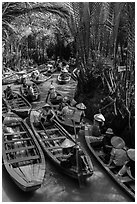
point(19, 105)
point(22, 155)
point(31, 97)
point(63, 81)
point(118, 180)
point(59, 135)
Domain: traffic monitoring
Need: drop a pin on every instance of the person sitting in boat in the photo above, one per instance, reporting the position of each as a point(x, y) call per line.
point(64, 73)
point(35, 75)
point(67, 151)
point(8, 92)
point(30, 90)
point(107, 147)
point(46, 114)
point(69, 158)
point(118, 153)
point(129, 166)
point(97, 124)
point(65, 102)
point(67, 113)
point(52, 95)
point(79, 113)
point(50, 67)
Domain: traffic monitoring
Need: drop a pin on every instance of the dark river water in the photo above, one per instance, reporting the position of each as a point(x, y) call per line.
point(56, 186)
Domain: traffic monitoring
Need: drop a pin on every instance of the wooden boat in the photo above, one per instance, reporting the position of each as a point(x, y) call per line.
point(22, 156)
point(28, 95)
point(75, 74)
point(19, 105)
point(9, 79)
point(51, 138)
point(41, 79)
point(125, 182)
point(42, 68)
point(63, 80)
point(5, 107)
point(54, 102)
point(67, 124)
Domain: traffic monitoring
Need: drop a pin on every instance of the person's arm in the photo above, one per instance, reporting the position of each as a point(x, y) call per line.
point(111, 157)
point(123, 170)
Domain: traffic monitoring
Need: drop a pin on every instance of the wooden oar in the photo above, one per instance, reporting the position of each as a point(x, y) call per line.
point(80, 176)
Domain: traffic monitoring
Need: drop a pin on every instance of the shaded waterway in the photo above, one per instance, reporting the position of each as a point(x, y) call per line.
point(58, 187)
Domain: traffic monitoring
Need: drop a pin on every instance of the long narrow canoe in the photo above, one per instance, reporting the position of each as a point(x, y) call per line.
point(63, 80)
point(30, 96)
point(51, 138)
point(9, 79)
point(19, 105)
point(41, 79)
point(125, 182)
point(22, 156)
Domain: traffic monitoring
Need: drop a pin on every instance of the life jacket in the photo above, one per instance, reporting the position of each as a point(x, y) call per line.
point(77, 116)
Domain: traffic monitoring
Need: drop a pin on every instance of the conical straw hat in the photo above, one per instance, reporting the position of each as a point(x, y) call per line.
point(109, 131)
point(81, 106)
point(99, 117)
point(131, 154)
point(117, 142)
point(67, 143)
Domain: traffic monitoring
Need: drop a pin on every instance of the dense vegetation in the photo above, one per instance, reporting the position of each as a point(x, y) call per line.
point(100, 35)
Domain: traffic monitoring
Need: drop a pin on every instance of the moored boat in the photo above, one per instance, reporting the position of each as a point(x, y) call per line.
point(125, 182)
point(63, 80)
point(22, 156)
point(60, 148)
point(18, 104)
point(28, 94)
point(41, 79)
point(9, 79)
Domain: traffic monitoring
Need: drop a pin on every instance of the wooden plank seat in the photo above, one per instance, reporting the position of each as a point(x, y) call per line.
point(22, 159)
point(55, 138)
point(17, 140)
point(16, 133)
point(50, 148)
point(63, 156)
point(19, 149)
point(47, 131)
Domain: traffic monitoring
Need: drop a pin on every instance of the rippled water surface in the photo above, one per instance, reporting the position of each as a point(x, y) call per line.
point(56, 186)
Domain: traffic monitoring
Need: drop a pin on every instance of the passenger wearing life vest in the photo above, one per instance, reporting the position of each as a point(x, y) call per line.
point(118, 153)
point(67, 113)
point(129, 166)
point(79, 113)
